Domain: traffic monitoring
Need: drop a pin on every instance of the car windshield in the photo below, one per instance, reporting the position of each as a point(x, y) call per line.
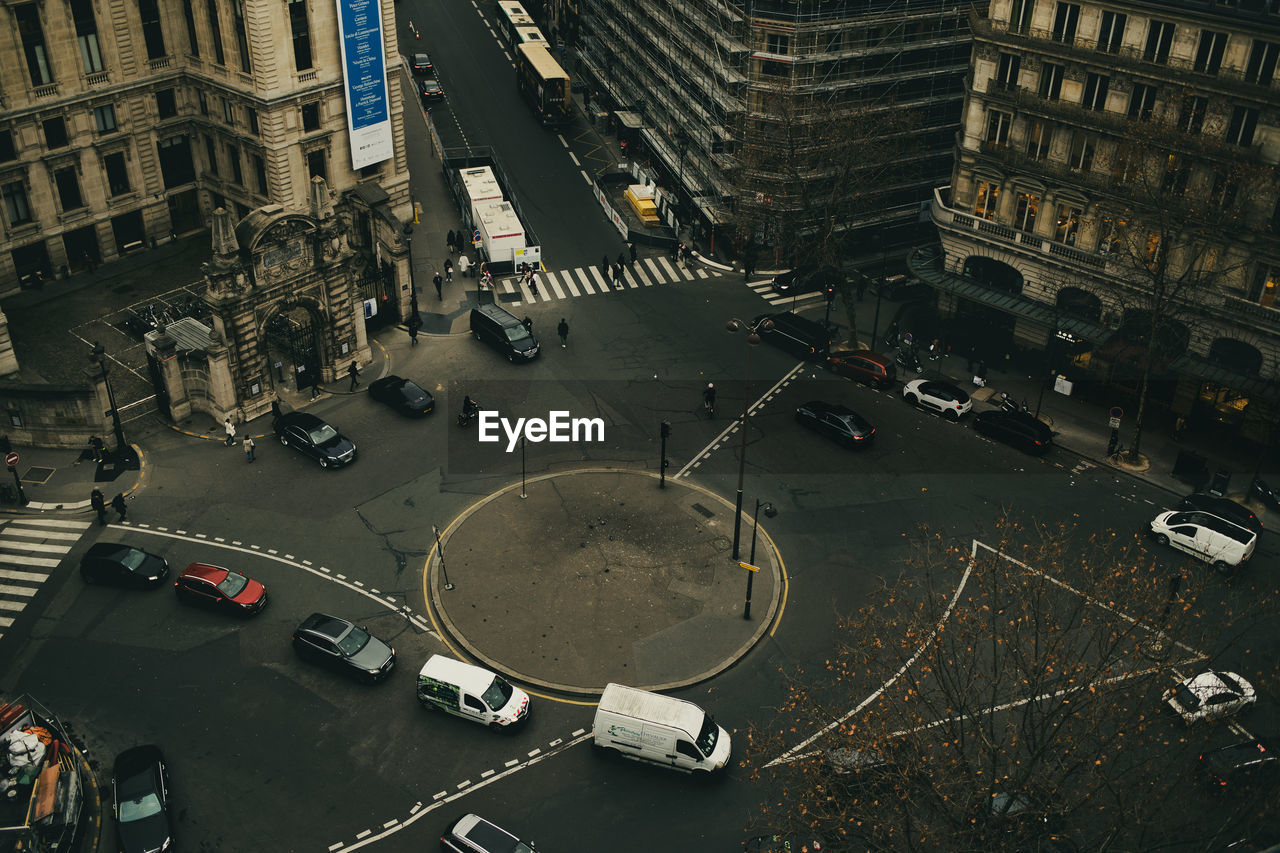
point(498, 694)
point(517, 333)
point(143, 807)
point(322, 434)
point(353, 641)
point(1184, 697)
point(132, 559)
point(1231, 684)
point(708, 736)
point(233, 585)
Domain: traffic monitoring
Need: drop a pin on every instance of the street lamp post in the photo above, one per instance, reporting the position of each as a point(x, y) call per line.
point(755, 525)
point(98, 356)
point(875, 324)
point(753, 338)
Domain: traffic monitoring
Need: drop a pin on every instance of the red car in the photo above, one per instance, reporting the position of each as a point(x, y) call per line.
point(221, 589)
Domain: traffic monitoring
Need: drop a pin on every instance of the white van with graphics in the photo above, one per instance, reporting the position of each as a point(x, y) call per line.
point(661, 729)
point(1221, 543)
point(471, 692)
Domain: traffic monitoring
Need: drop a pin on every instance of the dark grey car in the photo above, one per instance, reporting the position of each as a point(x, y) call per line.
point(344, 646)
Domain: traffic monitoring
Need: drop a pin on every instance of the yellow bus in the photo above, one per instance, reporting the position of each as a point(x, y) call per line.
point(544, 83)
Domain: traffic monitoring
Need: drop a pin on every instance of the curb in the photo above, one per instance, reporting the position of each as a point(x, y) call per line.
point(77, 506)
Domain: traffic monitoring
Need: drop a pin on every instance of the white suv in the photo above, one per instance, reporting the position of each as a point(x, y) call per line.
point(473, 834)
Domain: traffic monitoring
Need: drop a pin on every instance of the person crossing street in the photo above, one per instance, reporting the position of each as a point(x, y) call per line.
point(563, 331)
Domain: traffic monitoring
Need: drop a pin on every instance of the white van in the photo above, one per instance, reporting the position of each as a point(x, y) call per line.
point(1223, 544)
point(471, 692)
point(662, 729)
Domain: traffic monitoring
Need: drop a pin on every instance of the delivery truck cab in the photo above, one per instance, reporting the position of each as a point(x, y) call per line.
point(472, 692)
point(661, 729)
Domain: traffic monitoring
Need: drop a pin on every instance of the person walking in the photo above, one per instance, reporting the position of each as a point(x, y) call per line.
point(617, 273)
point(463, 263)
point(448, 270)
point(230, 429)
point(248, 448)
point(674, 251)
point(439, 283)
point(354, 373)
point(604, 266)
point(95, 446)
point(981, 375)
point(415, 323)
point(622, 260)
point(450, 240)
point(276, 411)
point(117, 503)
point(563, 331)
point(99, 504)
point(527, 322)
point(631, 248)
point(533, 282)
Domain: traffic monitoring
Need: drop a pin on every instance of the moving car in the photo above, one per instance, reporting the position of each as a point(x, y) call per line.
point(220, 589)
point(1017, 429)
point(1209, 696)
point(1247, 764)
point(421, 64)
point(122, 565)
point(140, 794)
point(473, 834)
point(313, 437)
point(471, 692)
point(403, 395)
point(502, 330)
point(800, 336)
point(865, 366)
point(1221, 543)
point(899, 288)
point(806, 278)
point(1222, 508)
point(836, 422)
point(343, 646)
point(430, 92)
point(941, 397)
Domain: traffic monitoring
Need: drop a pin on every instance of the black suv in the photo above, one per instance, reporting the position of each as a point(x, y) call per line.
point(807, 278)
point(1222, 508)
point(1254, 762)
point(1019, 429)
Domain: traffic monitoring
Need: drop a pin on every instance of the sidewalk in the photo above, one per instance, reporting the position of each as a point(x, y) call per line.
point(61, 480)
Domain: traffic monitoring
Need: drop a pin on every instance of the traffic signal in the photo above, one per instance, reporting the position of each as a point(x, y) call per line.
point(666, 429)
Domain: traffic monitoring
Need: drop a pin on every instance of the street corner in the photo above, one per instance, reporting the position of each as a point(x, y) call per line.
point(51, 484)
point(603, 575)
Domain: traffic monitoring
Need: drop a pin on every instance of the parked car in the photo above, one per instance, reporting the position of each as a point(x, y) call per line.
point(220, 589)
point(421, 64)
point(1209, 696)
point(403, 395)
point(343, 646)
point(1221, 543)
point(941, 397)
point(865, 366)
point(122, 565)
point(899, 288)
point(800, 336)
point(140, 801)
point(1222, 508)
point(1017, 429)
point(836, 422)
point(430, 92)
point(1253, 763)
point(473, 834)
point(806, 278)
point(312, 437)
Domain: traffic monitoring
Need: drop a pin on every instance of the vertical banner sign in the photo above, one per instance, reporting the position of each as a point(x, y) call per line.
point(364, 66)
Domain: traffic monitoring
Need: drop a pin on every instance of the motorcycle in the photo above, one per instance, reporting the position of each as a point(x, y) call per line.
point(1009, 404)
point(907, 359)
point(466, 416)
point(1259, 490)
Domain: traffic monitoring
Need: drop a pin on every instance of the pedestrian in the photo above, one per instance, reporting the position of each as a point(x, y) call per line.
point(527, 322)
point(276, 411)
point(969, 355)
point(891, 336)
point(673, 251)
point(415, 323)
point(683, 253)
point(617, 272)
point(533, 282)
point(438, 282)
point(450, 240)
point(486, 280)
point(463, 263)
point(935, 350)
point(981, 375)
point(95, 446)
point(248, 448)
point(631, 247)
point(563, 331)
point(622, 260)
point(354, 373)
point(99, 504)
point(604, 265)
point(861, 287)
point(117, 503)
point(230, 429)
point(448, 270)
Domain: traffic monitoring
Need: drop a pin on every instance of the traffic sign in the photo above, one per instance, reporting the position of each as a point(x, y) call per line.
point(11, 459)
point(1116, 412)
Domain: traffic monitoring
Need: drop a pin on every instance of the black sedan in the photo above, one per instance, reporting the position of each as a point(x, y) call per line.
point(421, 64)
point(403, 395)
point(430, 92)
point(343, 646)
point(1018, 429)
point(836, 422)
point(313, 437)
point(1222, 508)
point(140, 788)
point(122, 565)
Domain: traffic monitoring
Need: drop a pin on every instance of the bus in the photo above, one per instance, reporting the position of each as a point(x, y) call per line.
point(544, 83)
point(511, 16)
point(530, 35)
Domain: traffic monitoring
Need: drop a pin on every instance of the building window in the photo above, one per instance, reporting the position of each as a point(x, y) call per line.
point(1175, 176)
point(211, 149)
point(55, 133)
point(1064, 22)
point(985, 204)
point(1020, 15)
point(1050, 81)
point(1159, 40)
point(152, 32)
point(105, 118)
point(176, 167)
point(1039, 135)
point(1124, 166)
point(228, 111)
point(1266, 285)
point(1225, 189)
point(68, 188)
point(252, 115)
point(166, 103)
point(998, 127)
point(777, 43)
point(316, 164)
point(233, 154)
point(1083, 147)
point(1096, 87)
point(242, 41)
point(15, 203)
point(86, 35)
point(1142, 103)
point(7, 149)
point(1025, 217)
point(203, 101)
point(117, 173)
point(1191, 118)
point(301, 34)
point(215, 26)
point(1110, 234)
point(311, 116)
point(1007, 71)
point(260, 174)
point(32, 36)
point(1262, 62)
point(1068, 224)
point(193, 40)
point(1244, 121)
point(1209, 53)
point(1111, 33)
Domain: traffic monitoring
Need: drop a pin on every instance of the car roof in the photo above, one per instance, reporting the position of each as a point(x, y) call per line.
point(107, 549)
point(328, 626)
point(213, 574)
point(1023, 417)
point(1243, 754)
point(306, 420)
point(135, 760)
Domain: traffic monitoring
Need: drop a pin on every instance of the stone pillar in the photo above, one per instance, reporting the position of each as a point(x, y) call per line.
point(222, 386)
point(8, 358)
point(101, 417)
point(171, 373)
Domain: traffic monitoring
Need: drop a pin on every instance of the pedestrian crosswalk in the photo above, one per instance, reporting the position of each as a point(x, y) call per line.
point(764, 289)
point(30, 549)
point(585, 281)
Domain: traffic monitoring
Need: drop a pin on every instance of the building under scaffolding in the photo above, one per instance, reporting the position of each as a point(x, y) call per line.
point(741, 102)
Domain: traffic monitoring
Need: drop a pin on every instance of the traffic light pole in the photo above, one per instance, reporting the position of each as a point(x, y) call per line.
point(665, 431)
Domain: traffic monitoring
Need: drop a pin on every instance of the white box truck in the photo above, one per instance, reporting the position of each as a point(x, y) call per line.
point(500, 230)
point(661, 729)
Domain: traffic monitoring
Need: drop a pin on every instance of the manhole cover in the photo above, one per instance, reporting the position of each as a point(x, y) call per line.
point(39, 476)
point(702, 509)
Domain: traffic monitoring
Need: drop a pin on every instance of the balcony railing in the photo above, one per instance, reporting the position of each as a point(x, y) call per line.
point(97, 79)
point(48, 91)
point(996, 231)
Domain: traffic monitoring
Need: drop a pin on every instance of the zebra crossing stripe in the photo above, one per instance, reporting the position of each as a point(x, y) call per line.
point(12, 605)
point(703, 273)
point(586, 281)
point(50, 522)
point(24, 591)
point(599, 278)
point(550, 279)
point(41, 534)
point(638, 270)
point(666, 266)
point(34, 546)
point(10, 575)
point(5, 621)
point(569, 283)
point(29, 561)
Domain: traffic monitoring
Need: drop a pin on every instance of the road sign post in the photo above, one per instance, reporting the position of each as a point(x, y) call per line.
point(11, 459)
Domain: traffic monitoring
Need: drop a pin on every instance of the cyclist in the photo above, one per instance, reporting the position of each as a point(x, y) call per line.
point(709, 399)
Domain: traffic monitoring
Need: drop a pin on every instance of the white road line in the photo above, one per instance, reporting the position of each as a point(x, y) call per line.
point(659, 276)
point(638, 270)
point(36, 547)
point(586, 178)
point(50, 522)
point(35, 577)
point(29, 561)
point(24, 591)
point(560, 136)
point(703, 273)
point(42, 534)
point(12, 605)
point(5, 621)
point(574, 158)
point(550, 279)
point(584, 279)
